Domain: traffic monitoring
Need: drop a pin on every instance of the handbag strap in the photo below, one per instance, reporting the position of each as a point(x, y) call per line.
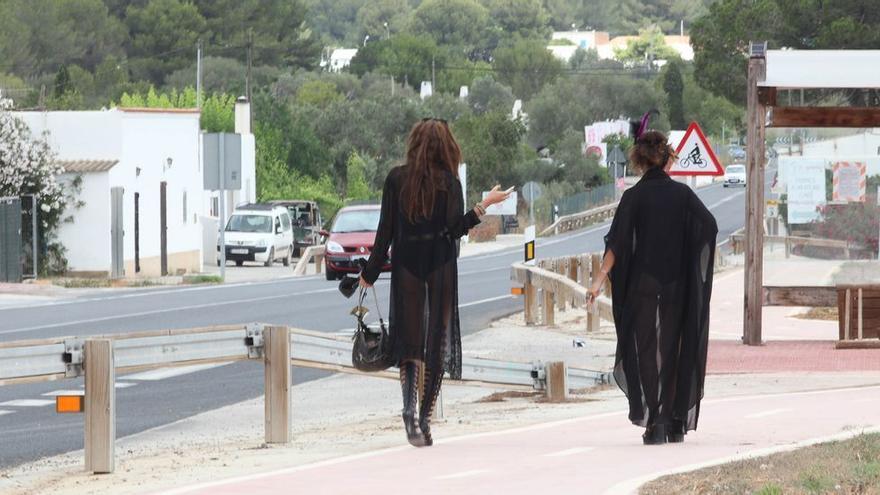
point(363, 295)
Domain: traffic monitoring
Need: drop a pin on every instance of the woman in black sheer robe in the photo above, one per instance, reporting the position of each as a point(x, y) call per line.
point(421, 221)
point(659, 257)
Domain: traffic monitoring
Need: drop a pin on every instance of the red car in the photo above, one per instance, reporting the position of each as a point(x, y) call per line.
point(350, 240)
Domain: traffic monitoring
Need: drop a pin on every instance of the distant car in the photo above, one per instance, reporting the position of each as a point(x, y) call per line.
point(350, 240)
point(307, 223)
point(735, 175)
point(259, 232)
point(736, 152)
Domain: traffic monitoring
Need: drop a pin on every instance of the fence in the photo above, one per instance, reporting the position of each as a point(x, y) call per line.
point(586, 200)
point(100, 358)
point(315, 253)
point(561, 282)
point(737, 243)
point(581, 220)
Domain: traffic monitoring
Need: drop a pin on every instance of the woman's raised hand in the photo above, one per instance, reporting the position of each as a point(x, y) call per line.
point(496, 195)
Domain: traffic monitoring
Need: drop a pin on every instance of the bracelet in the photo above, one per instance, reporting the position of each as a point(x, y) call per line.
point(479, 209)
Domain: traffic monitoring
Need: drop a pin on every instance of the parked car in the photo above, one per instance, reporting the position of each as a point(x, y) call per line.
point(735, 175)
point(736, 152)
point(350, 240)
point(261, 233)
point(307, 223)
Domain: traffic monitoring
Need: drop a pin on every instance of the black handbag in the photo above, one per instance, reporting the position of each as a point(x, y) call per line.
point(371, 350)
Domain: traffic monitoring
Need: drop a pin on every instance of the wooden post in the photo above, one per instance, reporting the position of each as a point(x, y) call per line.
point(100, 405)
point(754, 232)
point(593, 320)
point(549, 309)
point(557, 381)
point(560, 268)
point(573, 265)
point(276, 359)
point(319, 263)
point(530, 300)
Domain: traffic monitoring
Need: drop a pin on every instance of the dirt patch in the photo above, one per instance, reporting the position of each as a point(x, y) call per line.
point(825, 314)
point(504, 396)
point(851, 467)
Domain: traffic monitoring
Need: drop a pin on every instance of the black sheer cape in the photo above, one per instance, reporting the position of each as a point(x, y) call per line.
point(423, 314)
point(663, 239)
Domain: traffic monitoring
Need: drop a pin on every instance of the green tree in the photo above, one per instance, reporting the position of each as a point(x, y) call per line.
point(650, 45)
point(492, 147)
point(382, 18)
point(318, 94)
point(523, 18)
point(575, 166)
point(405, 57)
point(277, 29)
point(451, 22)
point(673, 85)
point(488, 95)
point(163, 37)
point(526, 66)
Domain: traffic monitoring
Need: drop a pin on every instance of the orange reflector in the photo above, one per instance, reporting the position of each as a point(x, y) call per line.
point(69, 403)
point(517, 291)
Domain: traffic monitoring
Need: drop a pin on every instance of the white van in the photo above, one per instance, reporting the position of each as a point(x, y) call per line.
point(260, 233)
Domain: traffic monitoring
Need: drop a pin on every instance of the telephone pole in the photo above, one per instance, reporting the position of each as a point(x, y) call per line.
point(247, 83)
point(199, 74)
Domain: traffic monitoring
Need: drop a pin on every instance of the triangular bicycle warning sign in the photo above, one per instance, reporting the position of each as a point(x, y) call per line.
point(695, 156)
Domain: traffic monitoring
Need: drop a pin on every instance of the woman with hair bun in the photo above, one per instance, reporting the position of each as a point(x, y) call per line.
point(659, 257)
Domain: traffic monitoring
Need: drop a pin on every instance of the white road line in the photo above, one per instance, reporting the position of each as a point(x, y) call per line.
point(27, 403)
point(483, 301)
point(725, 200)
point(165, 373)
point(168, 310)
point(463, 474)
point(5, 412)
point(764, 414)
point(568, 452)
point(56, 393)
point(474, 272)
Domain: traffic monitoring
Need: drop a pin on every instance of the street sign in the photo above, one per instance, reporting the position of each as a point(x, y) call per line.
point(805, 184)
point(506, 207)
point(616, 157)
point(772, 210)
point(222, 161)
point(531, 191)
point(695, 155)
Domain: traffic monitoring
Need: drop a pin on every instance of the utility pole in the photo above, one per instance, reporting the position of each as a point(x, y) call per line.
point(247, 84)
point(199, 74)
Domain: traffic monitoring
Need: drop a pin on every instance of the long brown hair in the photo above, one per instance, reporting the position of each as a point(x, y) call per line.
point(651, 150)
point(431, 150)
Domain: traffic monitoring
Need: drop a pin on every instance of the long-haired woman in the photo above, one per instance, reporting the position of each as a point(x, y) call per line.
point(422, 218)
point(659, 256)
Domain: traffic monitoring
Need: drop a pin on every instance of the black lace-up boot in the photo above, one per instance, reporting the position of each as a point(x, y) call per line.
point(409, 379)
point(433, 381)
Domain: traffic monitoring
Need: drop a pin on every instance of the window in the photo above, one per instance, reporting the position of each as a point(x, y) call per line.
point(357, 221)
point(285, 221)
point(249, 223)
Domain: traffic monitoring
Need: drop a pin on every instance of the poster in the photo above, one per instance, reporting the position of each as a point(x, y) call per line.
point(850, 181)
point(805, 185)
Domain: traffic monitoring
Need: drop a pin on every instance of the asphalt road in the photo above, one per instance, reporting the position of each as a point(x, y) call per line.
point(30, 429)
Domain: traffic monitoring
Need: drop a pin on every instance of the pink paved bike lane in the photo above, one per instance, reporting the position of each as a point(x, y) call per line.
point(595, 454)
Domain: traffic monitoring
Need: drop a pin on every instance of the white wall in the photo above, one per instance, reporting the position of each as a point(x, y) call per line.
point(148, 140)
point(87, 239)
point(79, 135)
point(864, 145)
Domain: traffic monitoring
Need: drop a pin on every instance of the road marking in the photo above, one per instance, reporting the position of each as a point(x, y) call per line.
point(764, 414)
point(568, 452)
point(463, 474)
point(474, 272)
point(5, 412)
point(725, 200)
point(27, 403)
point(168, 310)
point(56, 393)
point(483, 301)
point(165, 373)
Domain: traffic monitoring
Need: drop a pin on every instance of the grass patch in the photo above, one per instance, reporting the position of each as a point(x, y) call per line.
point(851, 467)
point(826, 314)
point(202, 279)
point(82, 283)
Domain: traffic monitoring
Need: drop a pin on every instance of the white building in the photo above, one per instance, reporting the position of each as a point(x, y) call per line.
point(605, 45)
point(339, 59)
point(142, 188)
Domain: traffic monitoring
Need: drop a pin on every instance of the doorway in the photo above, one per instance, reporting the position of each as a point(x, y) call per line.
point(117, 268)
point(137, 232)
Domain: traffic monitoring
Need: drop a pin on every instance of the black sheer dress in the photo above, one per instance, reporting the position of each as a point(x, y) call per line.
point(423, 318)
point(663, 240)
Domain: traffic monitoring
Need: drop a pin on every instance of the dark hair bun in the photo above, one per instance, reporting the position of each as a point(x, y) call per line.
point(651, 150)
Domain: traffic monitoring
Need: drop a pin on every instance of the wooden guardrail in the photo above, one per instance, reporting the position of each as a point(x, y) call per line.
point(737, 243)
point(561, 282)
point(310, 253)
point(580, 220)
point(858, 309)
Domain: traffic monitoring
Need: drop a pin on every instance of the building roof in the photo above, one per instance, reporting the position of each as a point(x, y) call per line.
point(158, 110)
point(87, 166)
point(829, 69)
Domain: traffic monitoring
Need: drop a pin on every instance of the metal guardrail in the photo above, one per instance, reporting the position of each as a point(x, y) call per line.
point(580, 220)
point(737, 243)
